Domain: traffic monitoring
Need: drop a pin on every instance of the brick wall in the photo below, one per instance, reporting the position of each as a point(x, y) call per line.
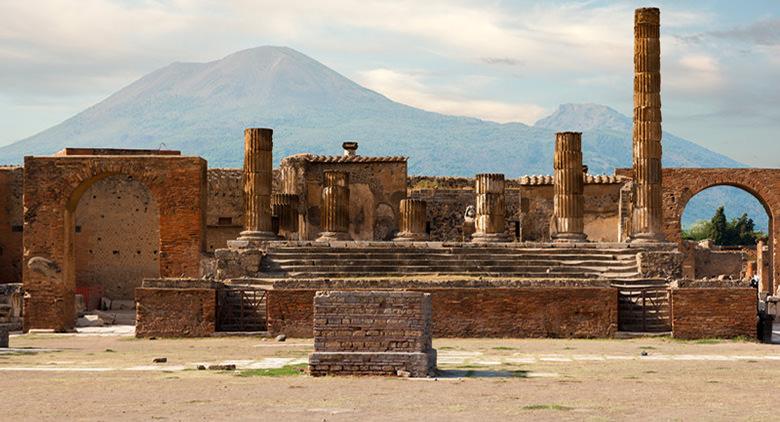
point(372, 333)
point(713, 312)
point(11, 215)
point(52, 190)
point(172, 312)
point(565, 312)
point(117, 237)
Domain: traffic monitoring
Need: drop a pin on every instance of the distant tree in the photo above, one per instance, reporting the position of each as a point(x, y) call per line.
point(699, 231)
point(719, 227)
point(743, 231)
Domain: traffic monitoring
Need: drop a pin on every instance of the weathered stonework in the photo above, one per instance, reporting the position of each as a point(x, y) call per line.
point(372, 333)
point(258, 182)
point(413, 221)
point(377, 186)
point(11, 306)
point(178, 185)
point(11, 217)
point(648, 207)
point(284, 207)
point(713, 312)
point(490, 221)
point(175, 308)
point(660, 264)
point(335, 207)
point(569, 202)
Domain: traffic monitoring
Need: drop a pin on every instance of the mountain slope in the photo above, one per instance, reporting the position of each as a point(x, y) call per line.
point(202, 109)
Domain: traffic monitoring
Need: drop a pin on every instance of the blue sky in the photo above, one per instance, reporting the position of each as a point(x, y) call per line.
point(496, 60)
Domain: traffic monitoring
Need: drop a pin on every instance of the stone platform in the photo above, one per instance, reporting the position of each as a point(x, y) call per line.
point(372, 333)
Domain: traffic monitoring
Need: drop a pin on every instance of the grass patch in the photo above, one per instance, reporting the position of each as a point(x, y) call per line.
point(284, 371)
point(548, 407)
point(647, 348)
point(446, 348)
point(504, 348)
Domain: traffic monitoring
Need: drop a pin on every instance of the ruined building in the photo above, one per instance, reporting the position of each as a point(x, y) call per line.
point(193, 250)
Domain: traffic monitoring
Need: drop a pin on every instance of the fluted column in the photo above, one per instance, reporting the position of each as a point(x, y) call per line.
point(334, 217)
point(569, 185)
point(284, 206)
point(648, 208)
point(490, 221)
point(413, 218)
point(258, 179)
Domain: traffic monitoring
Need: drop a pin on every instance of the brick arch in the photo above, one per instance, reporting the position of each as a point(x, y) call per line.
point(53, 188)
point(682, 184)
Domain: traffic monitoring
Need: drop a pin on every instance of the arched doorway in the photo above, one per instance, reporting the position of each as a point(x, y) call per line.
point(728, 250)
point(116, 242)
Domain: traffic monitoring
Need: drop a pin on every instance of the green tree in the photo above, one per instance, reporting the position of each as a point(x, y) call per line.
point(719, 227)
point(698, 231)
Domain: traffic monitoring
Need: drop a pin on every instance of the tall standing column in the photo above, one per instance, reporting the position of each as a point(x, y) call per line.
point(490, 221)
point(413, 218)
point(569, 185)
point(284, 206)
point(334, 217)
point(258, 179)
point(648, 207)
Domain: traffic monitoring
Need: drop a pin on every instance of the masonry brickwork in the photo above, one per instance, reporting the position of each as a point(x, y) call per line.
point(372, 333)
point(715, 312)
point(175, 308)
point(561, 312)
point(178, 185)
point(11, 217)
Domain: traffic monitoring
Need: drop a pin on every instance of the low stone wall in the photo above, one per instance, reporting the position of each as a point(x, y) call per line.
point(666, 264)
point(477, 311)
point(372, 333)
point(175, 308)
point(11, 298)
point(712, 312)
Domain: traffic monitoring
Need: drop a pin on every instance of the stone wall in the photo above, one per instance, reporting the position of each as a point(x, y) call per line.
point(376, 187)
point(372, 333)
point(529, 203)
point(117, 237)
point(11, 305)
point(225, 207)
point(712, 264)
point(565, 312)
point(661, 264)
point(175, 308)
point(11, 216)
point(713, 312)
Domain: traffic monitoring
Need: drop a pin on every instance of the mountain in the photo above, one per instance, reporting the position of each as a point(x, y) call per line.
point(202, 109)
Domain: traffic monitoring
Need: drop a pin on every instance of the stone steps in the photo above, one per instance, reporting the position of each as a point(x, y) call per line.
point(544, 262)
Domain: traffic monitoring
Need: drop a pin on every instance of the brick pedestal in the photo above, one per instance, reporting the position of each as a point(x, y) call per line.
point(372, 333)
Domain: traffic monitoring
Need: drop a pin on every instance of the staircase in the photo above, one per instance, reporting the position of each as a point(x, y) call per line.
point(526, 262)
point(643, 306)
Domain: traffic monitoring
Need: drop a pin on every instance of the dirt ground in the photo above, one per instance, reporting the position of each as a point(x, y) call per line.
point(91, 377)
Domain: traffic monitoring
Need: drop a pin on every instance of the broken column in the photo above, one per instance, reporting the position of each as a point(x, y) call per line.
point(490, 220)
point(334, 217)
point(648, 208)
point(284, 206)
point(569, 185)
point(258, 178)
point(413, 218)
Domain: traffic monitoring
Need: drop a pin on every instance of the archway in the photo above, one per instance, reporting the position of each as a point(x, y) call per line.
point(682, 184)
point(116, 241)
point(730, 254)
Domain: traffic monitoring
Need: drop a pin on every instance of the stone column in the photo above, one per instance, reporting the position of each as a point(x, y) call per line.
point(413, 218)
point(490, 221)
point(284, 206)
point(761, 268)
point(258, 179)
point(334, 217)
point(648, 207)
point(569, 186)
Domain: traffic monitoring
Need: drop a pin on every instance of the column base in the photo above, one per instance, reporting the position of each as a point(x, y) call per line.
point(570, 238)
point(490, 238)
point(332, 236)
point(251, 239)
point(647, 238)
point(410, 237)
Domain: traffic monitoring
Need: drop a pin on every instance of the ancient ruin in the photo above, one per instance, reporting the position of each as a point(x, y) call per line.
point(248, 250)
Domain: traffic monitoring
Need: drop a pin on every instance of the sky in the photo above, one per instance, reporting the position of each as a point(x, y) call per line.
point(496, 60)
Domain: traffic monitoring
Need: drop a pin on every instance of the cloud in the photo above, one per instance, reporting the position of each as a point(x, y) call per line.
point(410, 88)
point(764, 32)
